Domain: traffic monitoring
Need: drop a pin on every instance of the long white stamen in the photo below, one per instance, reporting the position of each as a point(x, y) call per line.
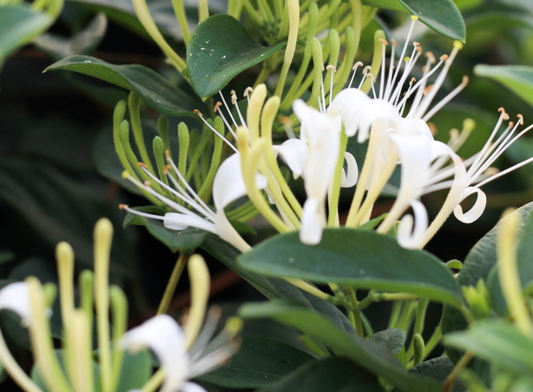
point(421, 84)
point(140, 213)
point(221, 115)
point(236, 104)
point(333, 70)
point(383, 57)
point(391, 68)
point(366, 70)
point(446, 99)
point(216, 132)
point(410, 63)
point(407, 40)
point(228, 109)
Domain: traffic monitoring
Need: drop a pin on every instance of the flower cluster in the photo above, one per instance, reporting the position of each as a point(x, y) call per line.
point(392, 119)
point(183, 353)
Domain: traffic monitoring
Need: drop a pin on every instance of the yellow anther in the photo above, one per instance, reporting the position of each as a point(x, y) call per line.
point(458, 45)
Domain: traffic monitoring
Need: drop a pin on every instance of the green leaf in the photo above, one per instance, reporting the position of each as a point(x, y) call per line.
point(274, 288)
point(220, 49)
point(135, 372)
point(6, 256)
point(154, 90)
point(84, 42)
point(392, 339)
point(259, 361)
point(367, 355)
point(19, 25)
point(184, 240)
point(438, 368)
point(497, 342)
point(517, 78)
point(330, 374)
point(359, 258)
point(443, 16)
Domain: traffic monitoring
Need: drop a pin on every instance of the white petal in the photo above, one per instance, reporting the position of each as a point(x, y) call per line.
point(192, 387)
point(413, 126)
point(312, 222)
point(350, 179)
point(164, 337)
point(16, 297)
point(348, 104)
point(477, 209)
point(228, 185)
point(374, 110)
point(411, 234)
point(228, 233)
point(177, 221)
point(294, 154)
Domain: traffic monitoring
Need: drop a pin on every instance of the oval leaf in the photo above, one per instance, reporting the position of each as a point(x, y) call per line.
point(359, 258)
point(18, 26)
point(517, 78)
point(443, 16)
point(392, 339)
point(438, 368)
point(220, 49)
point(154, 90)
point(259, 361)
point(330, 374)
point(369, 356)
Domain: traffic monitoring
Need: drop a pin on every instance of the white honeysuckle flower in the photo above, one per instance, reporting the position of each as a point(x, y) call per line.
point(16, 297)
point(228, 186)
point(163, 335)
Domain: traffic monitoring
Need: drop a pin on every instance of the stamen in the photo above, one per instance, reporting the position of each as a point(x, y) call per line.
point(333, 70)
point(233, 97)
point(217, 133)
point(446, 99)
point(354, 69)
point(217, 105)
point(247, 91)
point(366, 70)
point(383, 57)
point(228, 109)
point(198, 112)
point(287, 125)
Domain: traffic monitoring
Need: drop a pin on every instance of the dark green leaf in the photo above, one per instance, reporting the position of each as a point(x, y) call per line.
point(367, 355)
point(359, 258)
point(517, 78)
point(19, 25)
point(154, 90)
point(84, 42)
point(6, 256)
point(220, 49)
point(330, 374)
point(443, 16)
point(184, 240)
point(392, 339)
point(497, 342)
point(438, 368)
point(259, 361)
point(60, 209)
point(274, 288)
point(135, 372)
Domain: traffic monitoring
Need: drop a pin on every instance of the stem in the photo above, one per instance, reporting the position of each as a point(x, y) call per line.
point(356, 312)
point(172, 283)
point(179, 10)
point(459, 367)
point(333, 214)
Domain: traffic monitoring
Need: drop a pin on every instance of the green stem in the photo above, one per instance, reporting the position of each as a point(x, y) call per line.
point(356, 312)
point(172, 283)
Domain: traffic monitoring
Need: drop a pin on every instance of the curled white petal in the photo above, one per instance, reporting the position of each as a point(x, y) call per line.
point(177, 221)
point(349, 104)
point(228, 184)
point(477, 209)
point(349, 178)
point(16, 297)
point(228, 233)
point(411, 231)
point(374, 110)
point(312, 222)
point(294, 154)
point(164, 337)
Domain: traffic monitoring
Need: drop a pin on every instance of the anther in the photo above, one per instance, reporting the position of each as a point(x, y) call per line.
point(357, 65)
point(123, 206)
point(367, 69)
point(412, 81)
point(383, 41)
point(431, 57)
point(247, 91)
point(444, 57)
point(147, 183)
point(520, 119)
point(465, 80)
point(140, 164)
point(196, 111)
point(233, 97)
point(331, 67)
point(217, 105)
point(511, 124)
point(393, 41)
point(414, 17)
point(167, 155)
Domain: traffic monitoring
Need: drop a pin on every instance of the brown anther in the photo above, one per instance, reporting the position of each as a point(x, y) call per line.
point(331, 68)
point(393, 41)
point(166, 169)
point(123, 206)
point(428, 89)
point(147, 183)
point(196, 111)
point(416, 43)
point(511, 124)
point(369, 75)
point(432, 128)
point(284, 120)
point(357, 65)
point(465, 81)
point(431, 57)
point(217, 105)
point(140, 164)
point(419, 49)
point(425, 69)
point(413, 80)
point(383, 41)
point(520, 119)
point(167, 155)
point(492, 171)
point(444, 57)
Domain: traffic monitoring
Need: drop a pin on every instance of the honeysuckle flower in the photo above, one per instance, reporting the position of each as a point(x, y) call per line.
point(165, 338)
point(228, 186)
